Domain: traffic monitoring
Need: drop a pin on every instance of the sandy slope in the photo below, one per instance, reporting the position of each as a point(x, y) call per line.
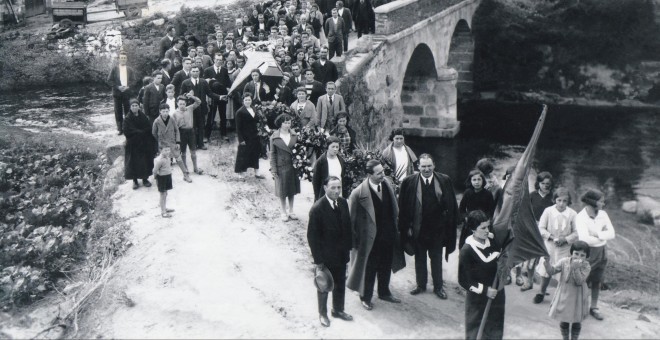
point(225, 267)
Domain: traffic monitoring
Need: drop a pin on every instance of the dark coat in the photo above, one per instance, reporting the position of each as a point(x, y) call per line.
point(165, 44)
point(172, 54)
point(329, 238)
point(247, 155)
point(347, 16)
point(285, 96)
point(320, 172)
point(201, 91)
point(177, 80)
point(222, 77)
point(364, 15)
point(363, 224)
point(263, 94)
point(410, 210)
point(152, 99)
point(334, 32)
point(287, 182)
point(167, 79)
point(114, 81)
point(325, 73)
point(138, 153)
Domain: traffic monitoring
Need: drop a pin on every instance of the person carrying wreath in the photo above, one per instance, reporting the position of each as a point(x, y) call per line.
point(287, 183)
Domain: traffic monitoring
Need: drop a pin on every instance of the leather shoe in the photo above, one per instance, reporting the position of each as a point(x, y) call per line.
point(417, 290)
point(390, 298)
point(325, 322)
point(367, 305)
point(342, 315)
point(441, 293)
point(596, 314)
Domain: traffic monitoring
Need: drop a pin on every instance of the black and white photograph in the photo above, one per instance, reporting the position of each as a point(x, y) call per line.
point(329, 169)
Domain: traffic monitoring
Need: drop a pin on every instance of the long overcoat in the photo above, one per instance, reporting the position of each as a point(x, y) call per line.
point(410, 210)
point(363, 223)
point(287, 182)
point(138, 153)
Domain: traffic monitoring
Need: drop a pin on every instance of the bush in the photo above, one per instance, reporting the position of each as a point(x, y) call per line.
point(26, 65)
point(52, 203)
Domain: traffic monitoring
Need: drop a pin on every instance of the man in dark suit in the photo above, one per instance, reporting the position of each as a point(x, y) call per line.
point(239, 31)
point(347, 16)
point(324, 69)
point(154, 94)
point(297, 77)
point(283, 92)
point(260, 91)
point(376, 249)
point(121, 78)
point(165, 68)
point(182, 75)
point(201, 89)
point(334, 31)
point(175, 50)
point(428, 216)
point(261, 24)
point(329, 238)
point(167, 41)
point(218, 79)
point(365, 17)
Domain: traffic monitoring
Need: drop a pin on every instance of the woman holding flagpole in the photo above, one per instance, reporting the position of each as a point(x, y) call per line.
point(477, 267)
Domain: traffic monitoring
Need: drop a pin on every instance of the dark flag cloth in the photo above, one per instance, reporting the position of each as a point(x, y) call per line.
point(514, 224)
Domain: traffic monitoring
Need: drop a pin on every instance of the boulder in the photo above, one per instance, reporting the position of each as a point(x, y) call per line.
point(629, 207)
point(115, 148)
point(158, 22)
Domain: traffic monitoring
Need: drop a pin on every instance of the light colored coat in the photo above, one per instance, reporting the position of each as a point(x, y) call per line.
point(363, 223)
point(323, 108)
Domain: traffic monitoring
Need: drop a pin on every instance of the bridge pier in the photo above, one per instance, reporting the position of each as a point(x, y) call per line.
point(429, 105)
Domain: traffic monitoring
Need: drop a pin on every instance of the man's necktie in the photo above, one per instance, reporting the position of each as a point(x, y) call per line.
point(378, 187)
point(330, 98)
point(334, 205)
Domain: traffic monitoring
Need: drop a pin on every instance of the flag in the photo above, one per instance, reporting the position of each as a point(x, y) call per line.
point(514, 225)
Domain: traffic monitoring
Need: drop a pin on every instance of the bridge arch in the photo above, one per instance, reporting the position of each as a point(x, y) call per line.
point(461, 56)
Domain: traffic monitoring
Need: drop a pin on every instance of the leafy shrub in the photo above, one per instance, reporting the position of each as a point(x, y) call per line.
point(52, 202)
point(371, 125)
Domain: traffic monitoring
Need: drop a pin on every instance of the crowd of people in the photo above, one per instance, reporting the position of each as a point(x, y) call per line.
point(374, 223)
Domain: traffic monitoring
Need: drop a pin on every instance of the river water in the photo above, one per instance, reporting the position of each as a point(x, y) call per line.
point(614, 149)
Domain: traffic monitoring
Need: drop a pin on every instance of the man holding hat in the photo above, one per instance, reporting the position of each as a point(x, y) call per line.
point(428, 215)
point(329, 238)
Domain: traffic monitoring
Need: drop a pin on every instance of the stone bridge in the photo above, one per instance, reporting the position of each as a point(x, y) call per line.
point(421, 63)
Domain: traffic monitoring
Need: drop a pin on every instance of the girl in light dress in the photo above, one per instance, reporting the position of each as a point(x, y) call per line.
point(570, 304)
point(557, 227)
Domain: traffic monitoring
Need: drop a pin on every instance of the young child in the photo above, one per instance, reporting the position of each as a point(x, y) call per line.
point(184, 118)
point(475, 197)
point(166, 132)
point(557, 227)
point(163, 175)
point(570, 304)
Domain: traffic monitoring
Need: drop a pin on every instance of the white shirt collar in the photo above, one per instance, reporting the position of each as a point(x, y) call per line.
point(331, 202)
point(375, 186)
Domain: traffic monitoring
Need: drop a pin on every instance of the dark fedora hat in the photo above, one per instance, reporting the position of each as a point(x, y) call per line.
point(323, 280)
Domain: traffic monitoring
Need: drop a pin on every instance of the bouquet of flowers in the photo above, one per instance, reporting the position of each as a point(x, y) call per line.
point(301, 161)
point(262, 123)
point(314, 139)
point(356, 163)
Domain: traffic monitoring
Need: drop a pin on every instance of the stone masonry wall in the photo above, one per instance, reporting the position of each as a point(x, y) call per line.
point(399, 15)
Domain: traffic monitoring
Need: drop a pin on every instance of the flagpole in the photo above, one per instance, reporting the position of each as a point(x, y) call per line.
point(484, 317)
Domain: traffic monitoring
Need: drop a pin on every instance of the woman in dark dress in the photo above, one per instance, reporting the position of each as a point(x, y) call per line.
point(474, 198)
point(138, 153)
point(249, 143)
point(477, 268)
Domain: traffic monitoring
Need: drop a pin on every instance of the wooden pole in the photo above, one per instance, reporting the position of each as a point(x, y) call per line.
point(484, 317)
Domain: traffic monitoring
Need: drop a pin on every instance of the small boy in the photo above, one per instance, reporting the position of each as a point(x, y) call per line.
point(184, 117)
point(163, 174)
point(170, 100)
point(166, 132)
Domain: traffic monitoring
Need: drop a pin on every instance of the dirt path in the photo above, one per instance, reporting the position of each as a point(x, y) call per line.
point(225, 267)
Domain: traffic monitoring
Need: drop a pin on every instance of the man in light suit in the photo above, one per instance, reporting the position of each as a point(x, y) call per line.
point(329, 238)
point(376, 250)
point(167, 41)
point(347, 16)
point(328, 105)
point(334, 31)
point(154, 94)
point(428, 216)
point(121, 79)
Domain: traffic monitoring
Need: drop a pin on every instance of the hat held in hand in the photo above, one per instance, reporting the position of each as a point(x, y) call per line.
point(323, 280)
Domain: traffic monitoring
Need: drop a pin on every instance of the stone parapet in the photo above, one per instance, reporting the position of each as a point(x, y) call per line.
point(399, 15)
